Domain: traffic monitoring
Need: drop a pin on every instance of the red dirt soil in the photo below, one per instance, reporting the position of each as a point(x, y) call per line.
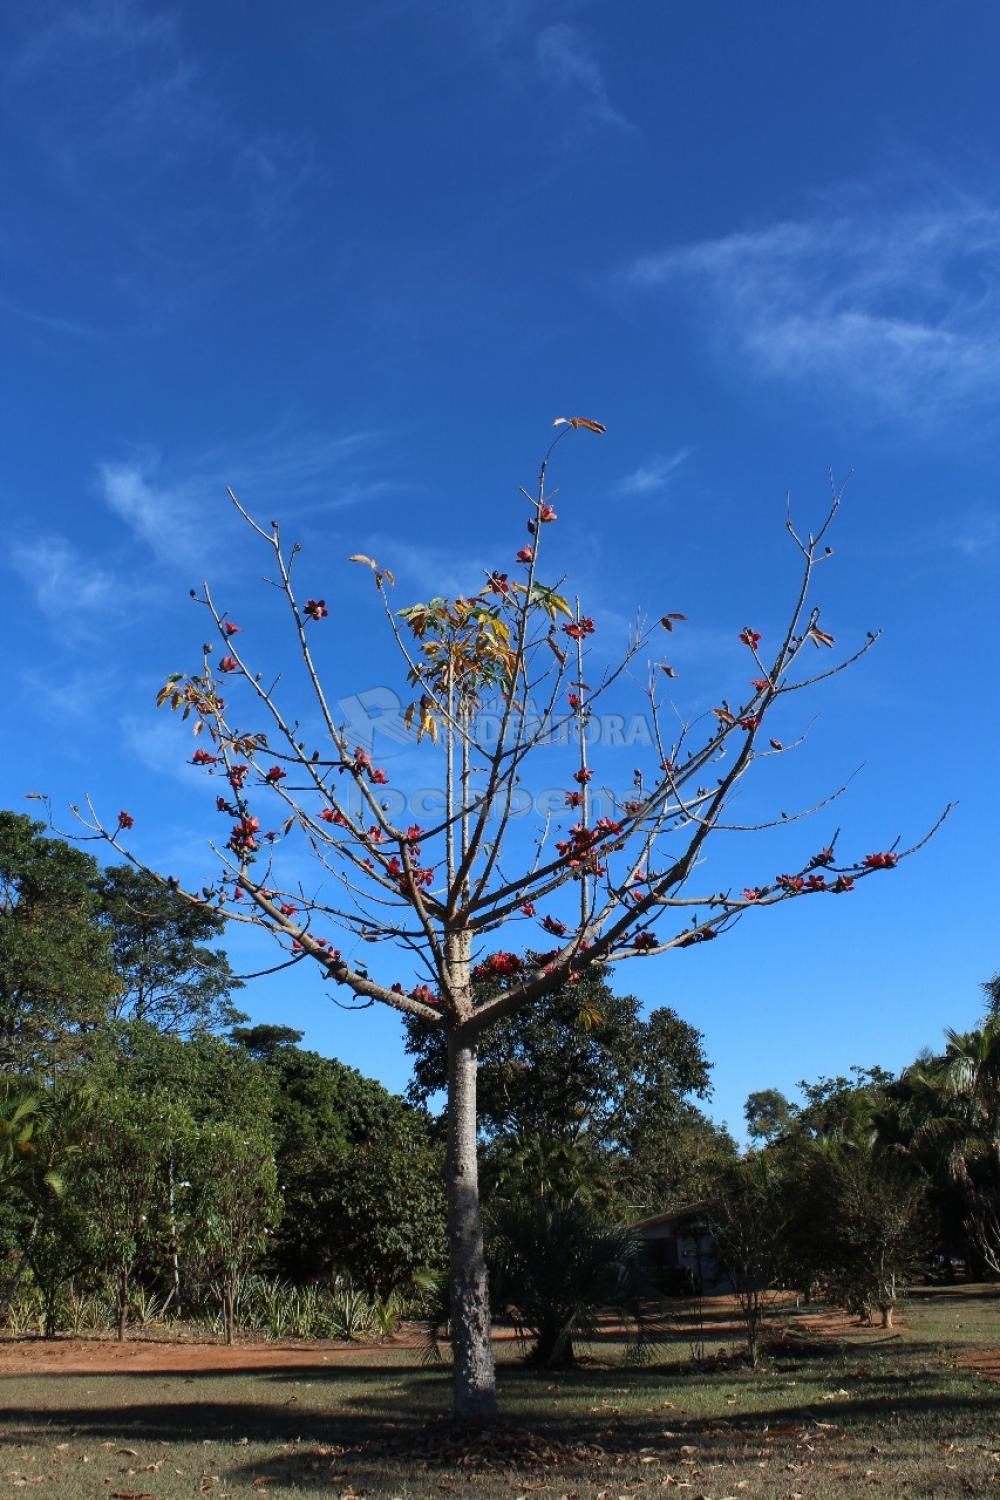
point(139, 1356)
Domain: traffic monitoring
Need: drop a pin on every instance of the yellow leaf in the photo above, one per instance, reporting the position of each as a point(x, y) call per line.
point(361, 558)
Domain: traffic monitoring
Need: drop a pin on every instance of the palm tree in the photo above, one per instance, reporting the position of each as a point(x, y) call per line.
point(554, 1266)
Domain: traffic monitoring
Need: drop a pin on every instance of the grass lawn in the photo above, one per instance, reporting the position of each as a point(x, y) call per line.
point(826, 1416)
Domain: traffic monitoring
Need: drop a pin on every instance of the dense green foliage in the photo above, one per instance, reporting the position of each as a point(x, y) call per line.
point(585, 1097)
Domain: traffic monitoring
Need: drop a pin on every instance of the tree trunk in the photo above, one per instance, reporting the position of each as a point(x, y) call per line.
point(474, 1373)
point(887, 1315)
point(228, 1316)
point(122, 1304)
point(10, 1291)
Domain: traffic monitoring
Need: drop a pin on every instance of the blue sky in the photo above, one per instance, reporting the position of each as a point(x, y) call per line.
point(354, 260)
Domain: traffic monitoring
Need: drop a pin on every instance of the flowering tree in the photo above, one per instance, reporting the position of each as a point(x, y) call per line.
point(440, 894)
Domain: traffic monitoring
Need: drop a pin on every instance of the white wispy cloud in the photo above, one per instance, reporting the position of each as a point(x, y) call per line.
point(156, 114)
point(178, 507)
point(67, 586)
point(653, 475)
point(567, 60)
point(900, 308)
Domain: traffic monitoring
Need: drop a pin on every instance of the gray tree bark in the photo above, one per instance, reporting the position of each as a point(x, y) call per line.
point(472, 1350)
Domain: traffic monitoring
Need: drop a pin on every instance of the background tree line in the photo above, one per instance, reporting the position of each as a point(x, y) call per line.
point(158, 1152)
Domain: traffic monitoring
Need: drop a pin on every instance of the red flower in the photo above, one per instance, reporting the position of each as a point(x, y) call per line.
point(414, 833)
point(579, 628)
point(379, 777)
point(125, 820)
point(275, 774)
point(422, 992)
point(842, 883)
point(528, 909)
point(497, 583)
point(244, 835)
point(750, 721)
point(204, 758)
point(824, 857)
point(230, 628)
point(573, 699)
point(229, 664)
point(525, 555)
point(221, 805)
point(574, 799)
point(750, 637)
point(752, 893)
point(288, 910)
point(776, 744)
point(644, 941)
point(501, 964)
point(583, 776)
point(362, 759)
point(331, 815)
point(881, 861)
point(760, 683)
point(816, 883)
point(375, 834)
point(546, 514)
point(553, 925)
point(237, 776)
point(315, 609)
point(789, 882)
point(397, 989)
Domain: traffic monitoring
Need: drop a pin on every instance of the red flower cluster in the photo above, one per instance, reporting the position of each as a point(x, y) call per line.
point(816, 883)
point(881, 861)
point(645, 940)
point(583, 776)
point(332, 815)
point(525, 555)
point(750, 722)
point(275, 774)
point(422, 992)
point(204, 758)
point(498, 965)
point(824, 857)
point(842, 883)
point(789, 882)
point(125, 820)
point(553, 925)
point(315, 609)
point(582, 840)
point(579, 628)
point(237, 776)
point(750, 637)
point(229, 664)
point(752, 893)
point(379, 778)
point(244, 835)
